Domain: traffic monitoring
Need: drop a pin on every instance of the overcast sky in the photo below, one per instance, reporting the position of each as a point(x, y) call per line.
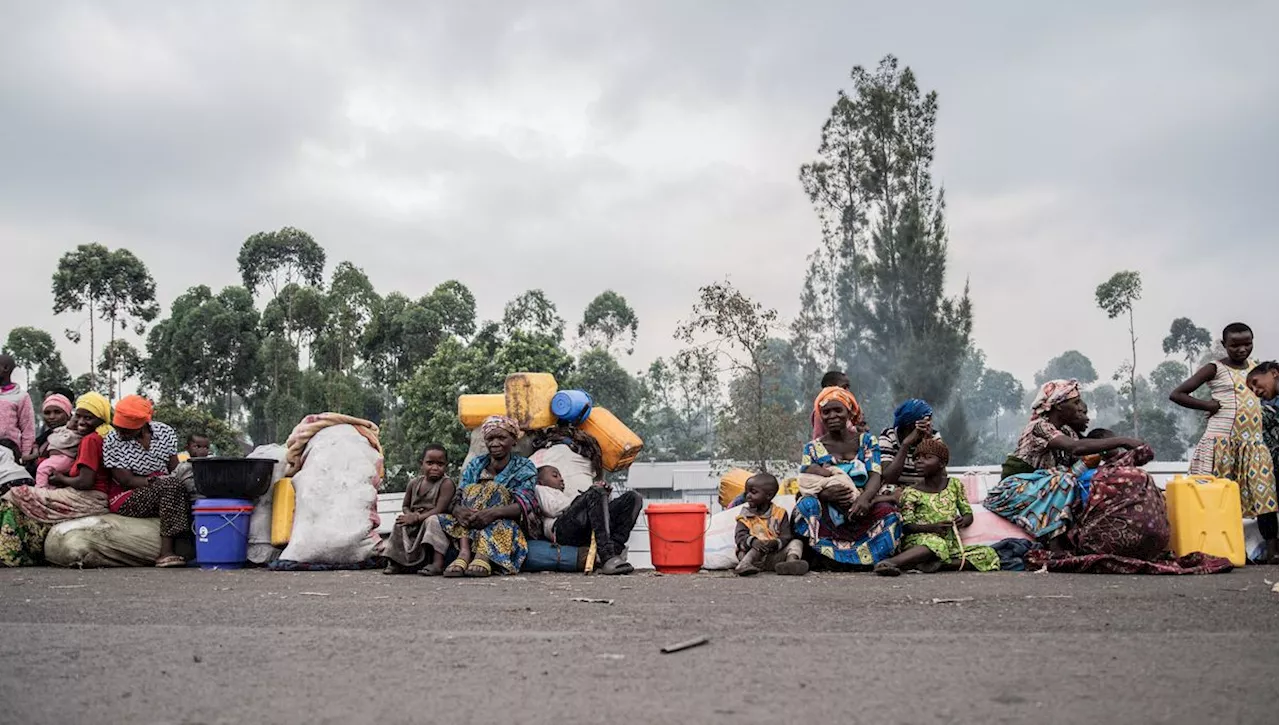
point(649, 148)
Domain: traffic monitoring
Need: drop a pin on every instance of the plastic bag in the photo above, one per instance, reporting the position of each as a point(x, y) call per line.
point(336, 500)
point(720, 550)
point(108, 540)
point(575, 469)
point(260, 549)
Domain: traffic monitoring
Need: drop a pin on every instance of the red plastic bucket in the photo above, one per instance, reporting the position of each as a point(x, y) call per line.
point(677, 534)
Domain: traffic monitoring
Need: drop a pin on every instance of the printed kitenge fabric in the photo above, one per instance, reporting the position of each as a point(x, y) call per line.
point(1039, 503)
point(943, 507)
point(1124, 529)
point(1233, 446)
point(502, 542)
point(21, 538)
point(856, 542)
point(865, 460)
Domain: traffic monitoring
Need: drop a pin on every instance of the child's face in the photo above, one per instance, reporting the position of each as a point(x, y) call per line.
point(929, 464)
point(54, 417)
point(433, 464)
point(1265, 384)
point(1239, 346)
point(758, 494)
point(198, 447)
point(551, 478)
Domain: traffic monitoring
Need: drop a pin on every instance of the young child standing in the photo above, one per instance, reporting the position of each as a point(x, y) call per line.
point(933, 511)
point(1232, 446)
point(430, 494)
point(17, 419)
point(763, 533)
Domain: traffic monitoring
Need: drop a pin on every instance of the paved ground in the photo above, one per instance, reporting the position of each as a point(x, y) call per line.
point(148, 646)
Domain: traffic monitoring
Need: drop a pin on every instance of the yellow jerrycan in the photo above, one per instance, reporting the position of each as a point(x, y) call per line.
point(1204, 515)
point(474, 409)
point(619, 445)
point(732, 484)
point(528, 399)
point(282, 512)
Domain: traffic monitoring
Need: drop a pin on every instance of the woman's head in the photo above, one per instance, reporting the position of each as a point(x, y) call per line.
point(1263, 380)
point(500, 435)
point(93, 411)
point(1060, 402)
point(133, 414)
point(932, 456)
point(909, 413)
point(836, 406)
point(1237, 340)
point(56, 410)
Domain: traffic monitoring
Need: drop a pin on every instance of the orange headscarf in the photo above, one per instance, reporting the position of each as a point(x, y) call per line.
point(842, 396)
point(132, 412)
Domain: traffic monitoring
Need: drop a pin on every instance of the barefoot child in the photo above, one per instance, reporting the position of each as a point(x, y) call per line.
point(933, 511)
point(763, 534)
point(428, 495)
point(1232, 446)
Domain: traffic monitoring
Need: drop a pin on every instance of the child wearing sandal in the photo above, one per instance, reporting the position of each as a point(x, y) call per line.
point(933, 511)
point(428, 495)
point(763, 533)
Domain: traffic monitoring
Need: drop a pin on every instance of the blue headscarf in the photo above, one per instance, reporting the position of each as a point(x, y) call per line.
point(911, 412)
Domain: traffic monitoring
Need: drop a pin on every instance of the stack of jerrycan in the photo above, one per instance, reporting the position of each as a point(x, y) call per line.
point(527, 398)
point(1204, 515)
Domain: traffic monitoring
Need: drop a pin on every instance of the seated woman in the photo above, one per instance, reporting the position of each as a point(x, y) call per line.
point(912, 425)
point(1038, 491)
point(841, 523)
point(496, 496)
point(1124, 529)
point(28, 513)
point(141, 454)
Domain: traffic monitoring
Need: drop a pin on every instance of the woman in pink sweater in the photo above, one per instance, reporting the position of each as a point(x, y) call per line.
point(17, 419)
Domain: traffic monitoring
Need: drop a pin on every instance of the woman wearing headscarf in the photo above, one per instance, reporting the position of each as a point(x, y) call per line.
point(912, 425)
point(495, 499)
point(28, 513)
point(141, 454)
point(840, 477)
point(1038, 491)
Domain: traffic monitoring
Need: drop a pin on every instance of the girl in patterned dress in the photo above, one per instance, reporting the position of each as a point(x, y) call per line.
point(1233, 446)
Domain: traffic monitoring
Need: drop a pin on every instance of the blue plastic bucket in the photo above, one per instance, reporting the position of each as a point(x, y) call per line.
point(571, 406)
point(221, 527)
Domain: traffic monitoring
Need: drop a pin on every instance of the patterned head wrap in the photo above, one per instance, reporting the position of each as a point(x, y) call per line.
point(495, 423)
point(100, 407)
point(934, 447)
point(132, 412)
point(1053, 394)
point(59, 401)
point(911, 412)
point(842, 396)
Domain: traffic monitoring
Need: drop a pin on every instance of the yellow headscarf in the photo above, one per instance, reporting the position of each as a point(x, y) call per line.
point(97, 404)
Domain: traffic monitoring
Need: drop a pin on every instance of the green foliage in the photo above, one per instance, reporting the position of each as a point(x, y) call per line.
point(278, 259)
point(533, 314)
point(1117, 296)
point(120, 361)
point(403, 333)
point(678, 403)
point(51, 374)
point(30, 348)
point(1160, 431)
point(874, 302)
point(115, 286)
point(608, 321)
point(608, 383)
point(350, 306)
point(430, 398)
point(1188, 340)
point(1068, 365)
point(962, 440)
point(189, 419)
point(207, 349)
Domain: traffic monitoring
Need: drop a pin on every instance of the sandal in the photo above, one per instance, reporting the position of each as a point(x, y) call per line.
point(457, 569)
point(173, 561)
point(479, 569)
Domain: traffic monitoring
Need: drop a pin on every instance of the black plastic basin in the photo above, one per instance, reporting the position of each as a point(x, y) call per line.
point(227, 477)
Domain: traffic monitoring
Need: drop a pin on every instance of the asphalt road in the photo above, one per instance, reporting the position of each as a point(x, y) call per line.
point(154, 646)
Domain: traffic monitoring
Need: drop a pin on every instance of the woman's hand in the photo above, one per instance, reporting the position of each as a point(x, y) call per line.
point(964, 522)
point(922, 431)
point(481, 519)
point(464, 515)
point(861, 506)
